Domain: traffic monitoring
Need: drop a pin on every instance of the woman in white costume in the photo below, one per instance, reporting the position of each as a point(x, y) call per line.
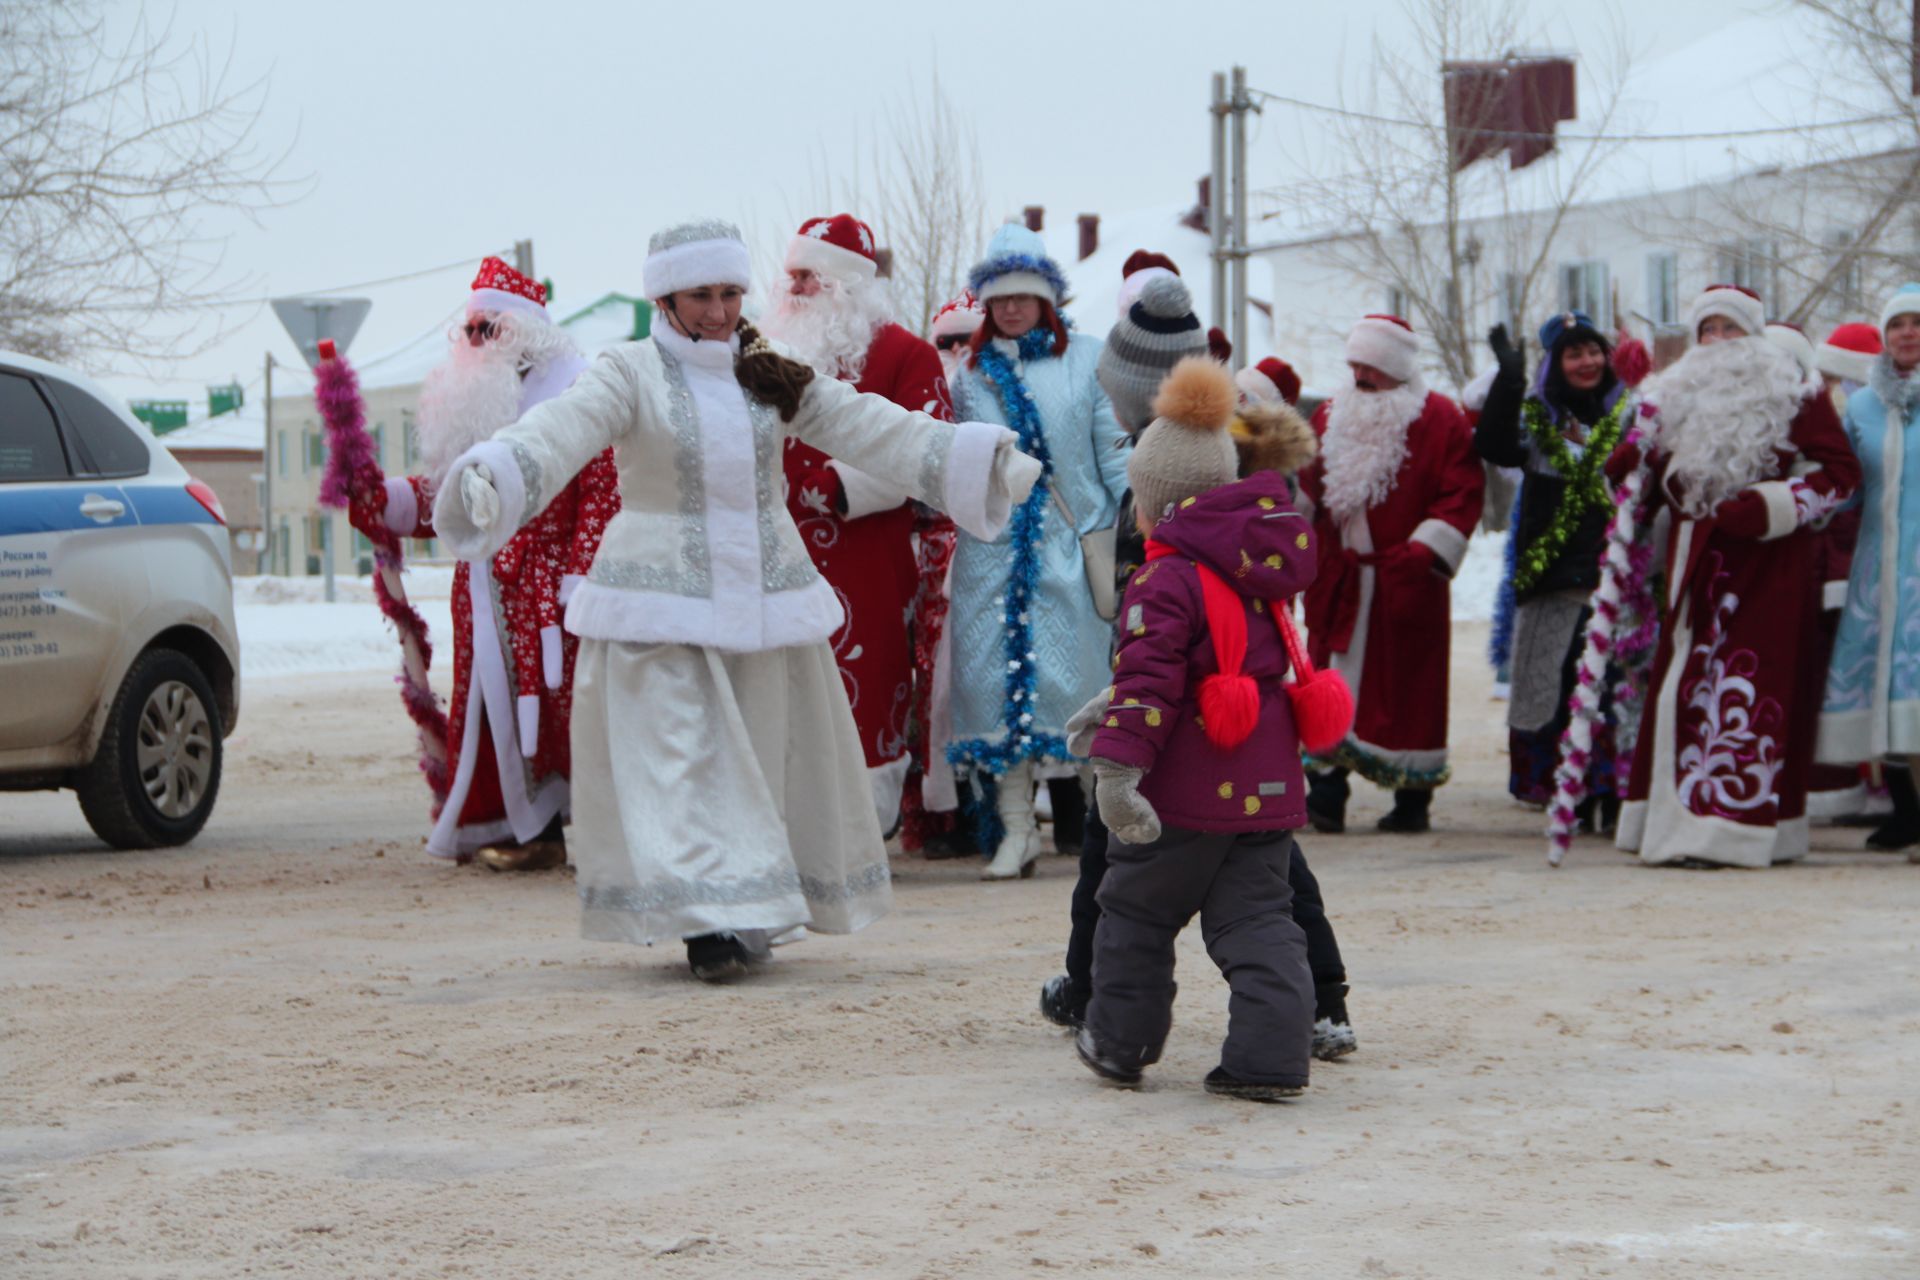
point(720, 793)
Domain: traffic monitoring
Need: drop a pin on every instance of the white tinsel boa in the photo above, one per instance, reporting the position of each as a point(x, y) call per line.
point(1366, 445)
point(1724, 409)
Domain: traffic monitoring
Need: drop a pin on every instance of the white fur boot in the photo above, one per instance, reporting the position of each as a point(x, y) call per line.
point(1020, 846)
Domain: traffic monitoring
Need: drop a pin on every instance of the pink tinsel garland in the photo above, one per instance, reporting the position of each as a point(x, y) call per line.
point(352, 470)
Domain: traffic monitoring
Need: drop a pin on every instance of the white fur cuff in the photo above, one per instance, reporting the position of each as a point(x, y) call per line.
point(978, 497)
point(1444, 540)
point(529, 709)
point(403, 508)
point(1782, 517)
point(569, 583)
point(865, 494)
point(1833, 595)
point(550, 664)
point(454, 524)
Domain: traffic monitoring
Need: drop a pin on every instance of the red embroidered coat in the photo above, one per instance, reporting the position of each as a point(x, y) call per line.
point(1726, 742)
point(868, 554)
point(1380, 609)
point(508, 724)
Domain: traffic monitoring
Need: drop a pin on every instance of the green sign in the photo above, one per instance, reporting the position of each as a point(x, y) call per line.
point(162, 415)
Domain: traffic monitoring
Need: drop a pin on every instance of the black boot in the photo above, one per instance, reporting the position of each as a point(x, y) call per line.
point(1332, 1030)
point(1064, 1004)
point(1069, 815)
point(1409, 813)
point(716, 957)
point(1327, 801)
point(1903, 828)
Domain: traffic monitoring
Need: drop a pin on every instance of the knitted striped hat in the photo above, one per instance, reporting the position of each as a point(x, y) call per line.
point(1157, 331)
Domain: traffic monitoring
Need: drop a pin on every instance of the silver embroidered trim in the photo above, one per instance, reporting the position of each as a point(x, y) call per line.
point(531, 478)
point(933, 464)
point(780, 569)
point(678, 894)
point(693, 232)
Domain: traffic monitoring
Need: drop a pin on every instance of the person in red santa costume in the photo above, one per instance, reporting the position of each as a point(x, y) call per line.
point(1394, 495)
point(1751, 460)
point(507, 731)
point(836, 315)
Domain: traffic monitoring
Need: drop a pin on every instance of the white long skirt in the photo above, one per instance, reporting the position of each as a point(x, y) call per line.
point(719, 792)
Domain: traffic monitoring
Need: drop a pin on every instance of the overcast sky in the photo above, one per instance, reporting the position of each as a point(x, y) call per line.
point(441, 132)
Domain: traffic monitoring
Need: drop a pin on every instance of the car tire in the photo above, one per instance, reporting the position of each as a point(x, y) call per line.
point(154, 779)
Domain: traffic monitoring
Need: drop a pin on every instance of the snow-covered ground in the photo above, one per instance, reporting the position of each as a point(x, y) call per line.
point(288, 629)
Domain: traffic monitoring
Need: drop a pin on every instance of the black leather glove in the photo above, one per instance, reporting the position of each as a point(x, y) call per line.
point(1511, 356)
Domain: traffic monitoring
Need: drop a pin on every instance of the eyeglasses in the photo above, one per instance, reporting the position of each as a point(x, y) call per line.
point(479, 330)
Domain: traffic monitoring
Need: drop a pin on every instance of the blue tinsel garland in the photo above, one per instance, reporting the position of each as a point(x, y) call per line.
point(1022, 741)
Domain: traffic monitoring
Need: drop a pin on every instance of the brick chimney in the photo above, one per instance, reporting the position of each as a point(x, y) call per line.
point(1036, 216)
point(1089, 235)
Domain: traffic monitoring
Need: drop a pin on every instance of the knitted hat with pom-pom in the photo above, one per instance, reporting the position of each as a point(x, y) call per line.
point(1186, 449)
point(1156, 333)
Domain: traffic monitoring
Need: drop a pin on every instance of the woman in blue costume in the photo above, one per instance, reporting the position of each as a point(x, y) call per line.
point(1028, 647)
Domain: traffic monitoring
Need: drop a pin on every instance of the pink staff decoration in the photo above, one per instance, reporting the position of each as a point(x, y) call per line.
point(353, 475)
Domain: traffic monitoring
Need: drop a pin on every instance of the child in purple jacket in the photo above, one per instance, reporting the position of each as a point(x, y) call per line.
point(1197, 759)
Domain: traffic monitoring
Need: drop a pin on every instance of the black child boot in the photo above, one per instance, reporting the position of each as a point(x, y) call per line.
point(1327, 801)
point(1409, 813)
point(1903, 828)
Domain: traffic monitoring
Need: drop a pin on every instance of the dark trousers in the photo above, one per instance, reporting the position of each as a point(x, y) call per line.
point(1236, 882)
point(1309, 912)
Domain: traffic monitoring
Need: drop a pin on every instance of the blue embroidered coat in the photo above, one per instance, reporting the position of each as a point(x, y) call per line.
point(1068, 641)
point(1872, 705)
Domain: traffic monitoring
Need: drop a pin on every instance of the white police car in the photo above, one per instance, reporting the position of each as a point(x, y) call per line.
point(119, 664)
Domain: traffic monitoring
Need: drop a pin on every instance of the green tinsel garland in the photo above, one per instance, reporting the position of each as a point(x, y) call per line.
point(1586, 485)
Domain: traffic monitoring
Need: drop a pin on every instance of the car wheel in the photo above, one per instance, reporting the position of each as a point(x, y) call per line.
point(153, 781)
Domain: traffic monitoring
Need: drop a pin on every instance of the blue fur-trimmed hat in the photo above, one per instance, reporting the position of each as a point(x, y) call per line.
point(1016, 262)
point(1569, 324)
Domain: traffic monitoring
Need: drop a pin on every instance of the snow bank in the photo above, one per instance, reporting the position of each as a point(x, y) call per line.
point(288, 629)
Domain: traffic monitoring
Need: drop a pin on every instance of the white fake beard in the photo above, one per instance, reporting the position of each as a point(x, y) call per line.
point(1366, 445)
point(466, 400)
point(1725, 408)
point(833, 329)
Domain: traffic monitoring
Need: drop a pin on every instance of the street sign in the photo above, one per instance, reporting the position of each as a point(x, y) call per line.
point(308, 320)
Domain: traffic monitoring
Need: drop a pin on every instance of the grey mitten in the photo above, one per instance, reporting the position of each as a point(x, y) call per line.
point(1126, 812)
point(1084, 723)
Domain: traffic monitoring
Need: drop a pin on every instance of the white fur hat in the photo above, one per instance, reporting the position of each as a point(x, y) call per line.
point(709, 251)
point(1731, 302)
point(1386, 343)
point(1905, 301)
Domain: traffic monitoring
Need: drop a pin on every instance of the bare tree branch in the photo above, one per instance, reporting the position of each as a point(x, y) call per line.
point(115, 158)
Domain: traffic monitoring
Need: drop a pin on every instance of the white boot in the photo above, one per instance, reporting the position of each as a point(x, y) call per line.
point(1020, 845)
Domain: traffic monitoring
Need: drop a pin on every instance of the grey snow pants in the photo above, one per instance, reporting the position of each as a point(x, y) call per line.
point(1237, 883)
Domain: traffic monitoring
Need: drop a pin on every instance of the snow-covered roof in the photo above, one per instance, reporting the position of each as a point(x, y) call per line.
point(1094, 303)
point(1691, 110)
point(244, 428)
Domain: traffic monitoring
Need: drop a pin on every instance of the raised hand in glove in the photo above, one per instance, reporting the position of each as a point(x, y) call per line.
point(1126, 812)
point(1511, 356)
point(478, 495)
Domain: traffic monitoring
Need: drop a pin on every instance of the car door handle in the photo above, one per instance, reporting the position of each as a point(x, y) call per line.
point(95, 507)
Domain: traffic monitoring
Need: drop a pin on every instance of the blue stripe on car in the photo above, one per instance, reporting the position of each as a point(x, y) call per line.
point(32, 508)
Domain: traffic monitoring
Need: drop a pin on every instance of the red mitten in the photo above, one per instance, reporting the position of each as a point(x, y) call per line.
point(1744, 515)
point(822, 491)
point(367, 511)
point(1631, 360)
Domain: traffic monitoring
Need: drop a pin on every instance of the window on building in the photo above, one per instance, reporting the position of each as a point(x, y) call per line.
point(1587, 286)
point(409, 447)
point(280, 447)
point(1848, 296)
point(316, 536)
point(1752, 264)
point(1511, 303)
point(316, 449)
point(1663, 288)
point(283, 548)
point(379, 434)
point(1397, 302)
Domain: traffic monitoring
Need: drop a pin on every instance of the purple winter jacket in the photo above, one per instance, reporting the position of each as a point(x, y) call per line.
point(1248, 533)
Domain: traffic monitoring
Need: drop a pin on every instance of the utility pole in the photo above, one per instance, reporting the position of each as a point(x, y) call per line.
point(268, 549)
point(1217, 201)
point(1227, 209)
point(523, 258)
